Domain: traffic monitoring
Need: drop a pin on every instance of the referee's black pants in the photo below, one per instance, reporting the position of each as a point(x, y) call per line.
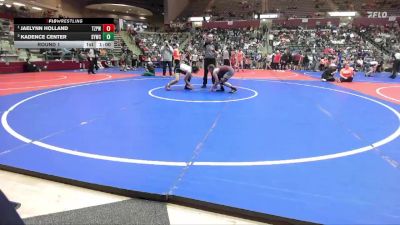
point(227, 62)
point(207, 62)
point(396, 67)
point(91, 66)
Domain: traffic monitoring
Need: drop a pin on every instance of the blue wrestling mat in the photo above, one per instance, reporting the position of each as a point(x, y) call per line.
point(304, 150)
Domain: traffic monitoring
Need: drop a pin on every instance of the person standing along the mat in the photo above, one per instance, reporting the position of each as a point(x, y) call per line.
point(233, 58)
point(195, 58)
point(183, 69)
point(240, 60)
point(276, 60)
point(166, 58)
point(284, 59)
point(221, 75)
point(210, 57)
point(122, 61)
point(176, 55)
point(225, 57)
point(81, 58)
point(396, 64)
point(134, 61)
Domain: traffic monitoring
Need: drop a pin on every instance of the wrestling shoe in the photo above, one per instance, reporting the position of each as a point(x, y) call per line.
point(233, 90)
point(222, 89)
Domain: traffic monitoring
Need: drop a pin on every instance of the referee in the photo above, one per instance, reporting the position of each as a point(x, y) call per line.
point(210, 57)
point(91, 58)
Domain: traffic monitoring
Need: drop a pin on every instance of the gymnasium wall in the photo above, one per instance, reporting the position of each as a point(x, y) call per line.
point(173, 8)
point(72, 8)
point(68, 8)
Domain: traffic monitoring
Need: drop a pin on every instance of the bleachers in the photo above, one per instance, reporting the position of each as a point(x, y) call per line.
point(251, 41)
point(7, 50)
point(385, 37)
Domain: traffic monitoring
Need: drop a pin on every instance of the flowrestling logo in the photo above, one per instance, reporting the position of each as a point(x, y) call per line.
point(377, 14)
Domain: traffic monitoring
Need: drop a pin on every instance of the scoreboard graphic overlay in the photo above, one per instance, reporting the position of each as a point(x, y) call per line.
point(64, 33)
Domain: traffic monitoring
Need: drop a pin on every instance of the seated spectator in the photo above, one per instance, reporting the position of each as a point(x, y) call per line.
point(99, 65)
point(346, 74)
point(371, 68)
point(329, 74)
point(30, 67)
point(108, 63)
point(150, 71)
point(359, 64)
point(323, 63)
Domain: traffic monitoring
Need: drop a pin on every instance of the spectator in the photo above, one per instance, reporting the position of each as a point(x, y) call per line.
point(225, 57)
point(346, 74)
point(30, 67)
point(150, 71)
point(195, 59)
point(329, 74)
point(166, 58)
point(371, 68)
point(240, 60)
point(134, 61)
point(276, 60)
point(122, 61)
point(259, 60)
point(81, 58)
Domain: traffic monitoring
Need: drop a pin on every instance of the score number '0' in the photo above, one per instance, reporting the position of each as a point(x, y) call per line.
point(108, 28)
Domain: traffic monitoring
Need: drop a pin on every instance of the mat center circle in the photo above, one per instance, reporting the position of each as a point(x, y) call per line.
point(201, 95)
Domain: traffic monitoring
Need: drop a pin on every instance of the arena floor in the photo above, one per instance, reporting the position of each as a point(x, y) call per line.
point(285, 144)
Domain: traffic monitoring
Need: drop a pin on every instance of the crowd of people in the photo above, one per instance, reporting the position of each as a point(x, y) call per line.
point(151, 43)
point(298, 49)
point(386, 37)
